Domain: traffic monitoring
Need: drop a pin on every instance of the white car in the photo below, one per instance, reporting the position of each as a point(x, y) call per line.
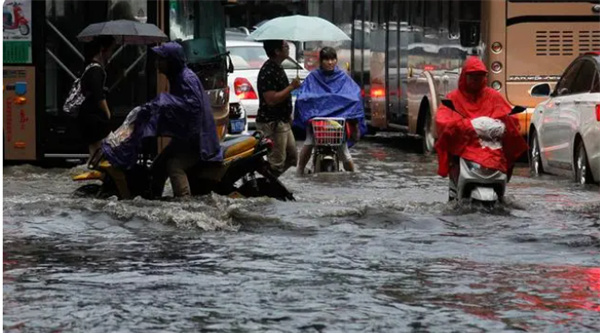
point(565, 130)
point(247, 58)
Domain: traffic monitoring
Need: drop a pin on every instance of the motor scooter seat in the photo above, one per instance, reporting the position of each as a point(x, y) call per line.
point(237, 146)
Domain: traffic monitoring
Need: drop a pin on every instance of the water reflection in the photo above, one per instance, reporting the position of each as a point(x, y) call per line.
point(520, 296)
point(379, 250)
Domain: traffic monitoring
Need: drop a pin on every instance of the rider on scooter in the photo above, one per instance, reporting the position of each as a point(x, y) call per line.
point(329, 92)
point(193, 133)
point(183, 115)
point(456, 135)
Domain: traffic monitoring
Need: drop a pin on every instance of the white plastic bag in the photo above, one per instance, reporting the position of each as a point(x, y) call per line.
point(125, 130)
point(490, 131)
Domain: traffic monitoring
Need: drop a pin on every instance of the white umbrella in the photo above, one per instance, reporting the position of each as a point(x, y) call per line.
point(299, 28)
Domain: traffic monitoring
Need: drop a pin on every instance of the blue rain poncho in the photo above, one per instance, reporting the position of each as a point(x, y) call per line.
point(332, 94)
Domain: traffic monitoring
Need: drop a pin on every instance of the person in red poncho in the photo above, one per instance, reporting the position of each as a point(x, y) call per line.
point(456, 134)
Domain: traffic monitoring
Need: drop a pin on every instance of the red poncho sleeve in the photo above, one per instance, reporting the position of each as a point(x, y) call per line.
point(455, 133)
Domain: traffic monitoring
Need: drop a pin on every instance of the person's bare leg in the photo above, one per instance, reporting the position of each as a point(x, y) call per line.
point(92, 148)
point(303, 159)
point(343, 154)
point(349, 166)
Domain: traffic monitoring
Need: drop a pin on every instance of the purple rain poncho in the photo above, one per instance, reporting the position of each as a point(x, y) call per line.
point(183, 114)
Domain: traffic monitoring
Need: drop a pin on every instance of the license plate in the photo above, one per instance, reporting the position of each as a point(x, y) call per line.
point(237, 125)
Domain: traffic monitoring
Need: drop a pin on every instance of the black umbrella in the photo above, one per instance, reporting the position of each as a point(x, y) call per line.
point(124, 32)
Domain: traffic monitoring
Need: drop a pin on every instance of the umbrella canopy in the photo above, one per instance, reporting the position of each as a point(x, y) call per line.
point(124, 32)
point(299, 28)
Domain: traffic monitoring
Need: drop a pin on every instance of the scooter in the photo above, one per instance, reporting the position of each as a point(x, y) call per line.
point(244, 158)
point(15, 19)
point(329, 134)
point(470, 180)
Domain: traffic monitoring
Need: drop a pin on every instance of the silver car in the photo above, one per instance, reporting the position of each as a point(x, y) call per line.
point(565, 129)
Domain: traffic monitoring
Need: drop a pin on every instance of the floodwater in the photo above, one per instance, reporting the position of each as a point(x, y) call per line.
point(376, 251)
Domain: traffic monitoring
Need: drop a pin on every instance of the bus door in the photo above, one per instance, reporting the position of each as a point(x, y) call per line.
point(130, 77)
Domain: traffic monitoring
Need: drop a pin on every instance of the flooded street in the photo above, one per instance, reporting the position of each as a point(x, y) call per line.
point(379, 251)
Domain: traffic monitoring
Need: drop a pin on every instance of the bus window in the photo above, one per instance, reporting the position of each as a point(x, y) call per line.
point(432, 18)
point(453, 18)
point(199, 26)
point(202, 23)
point(128, 60)
point(415, 13)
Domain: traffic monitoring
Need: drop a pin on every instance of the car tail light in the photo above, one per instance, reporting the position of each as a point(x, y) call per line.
point(496, 47)
point(243, 89)
point(377, 92)
point(496, 67)
point(598, 112)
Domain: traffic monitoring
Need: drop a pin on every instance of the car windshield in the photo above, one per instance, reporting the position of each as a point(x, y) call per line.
point(253, 57)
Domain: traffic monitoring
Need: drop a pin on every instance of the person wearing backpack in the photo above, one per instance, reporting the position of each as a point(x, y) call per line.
point(94, 114)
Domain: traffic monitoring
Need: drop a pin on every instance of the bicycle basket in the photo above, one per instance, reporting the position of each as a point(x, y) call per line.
point(328, 131)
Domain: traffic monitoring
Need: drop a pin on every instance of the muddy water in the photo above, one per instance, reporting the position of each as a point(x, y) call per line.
point(377, 251)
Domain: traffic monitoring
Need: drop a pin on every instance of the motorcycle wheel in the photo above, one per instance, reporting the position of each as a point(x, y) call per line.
point(485, 204)
point(24, 29)
point(263, 188)
point(87, 191)
point(328, 165)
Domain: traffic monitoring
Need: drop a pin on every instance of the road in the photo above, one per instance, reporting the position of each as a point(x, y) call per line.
point(379, 250)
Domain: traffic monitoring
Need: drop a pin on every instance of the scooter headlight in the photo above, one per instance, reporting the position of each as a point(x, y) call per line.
point(480, 170)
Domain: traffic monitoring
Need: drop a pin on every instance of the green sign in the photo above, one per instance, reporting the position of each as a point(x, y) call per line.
point(17, 52)
point(16, 31)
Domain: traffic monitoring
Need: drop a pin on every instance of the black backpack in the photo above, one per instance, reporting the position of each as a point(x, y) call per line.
point(76, 96)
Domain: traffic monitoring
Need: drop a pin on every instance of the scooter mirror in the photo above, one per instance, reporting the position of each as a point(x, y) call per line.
point(517, 109)
point(448, 103)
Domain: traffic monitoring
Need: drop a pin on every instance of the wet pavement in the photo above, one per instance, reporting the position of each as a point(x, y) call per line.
point(377, 251)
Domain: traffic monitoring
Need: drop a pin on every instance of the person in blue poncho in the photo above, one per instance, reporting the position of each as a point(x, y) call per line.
point(329, 92)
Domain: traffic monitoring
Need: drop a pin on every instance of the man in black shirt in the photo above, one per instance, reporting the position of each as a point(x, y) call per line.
point(275, 106)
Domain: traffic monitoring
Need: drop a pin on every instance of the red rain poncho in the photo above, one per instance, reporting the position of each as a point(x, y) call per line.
point(456, 135)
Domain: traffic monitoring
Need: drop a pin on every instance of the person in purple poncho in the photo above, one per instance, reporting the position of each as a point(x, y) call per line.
point(191, 127)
